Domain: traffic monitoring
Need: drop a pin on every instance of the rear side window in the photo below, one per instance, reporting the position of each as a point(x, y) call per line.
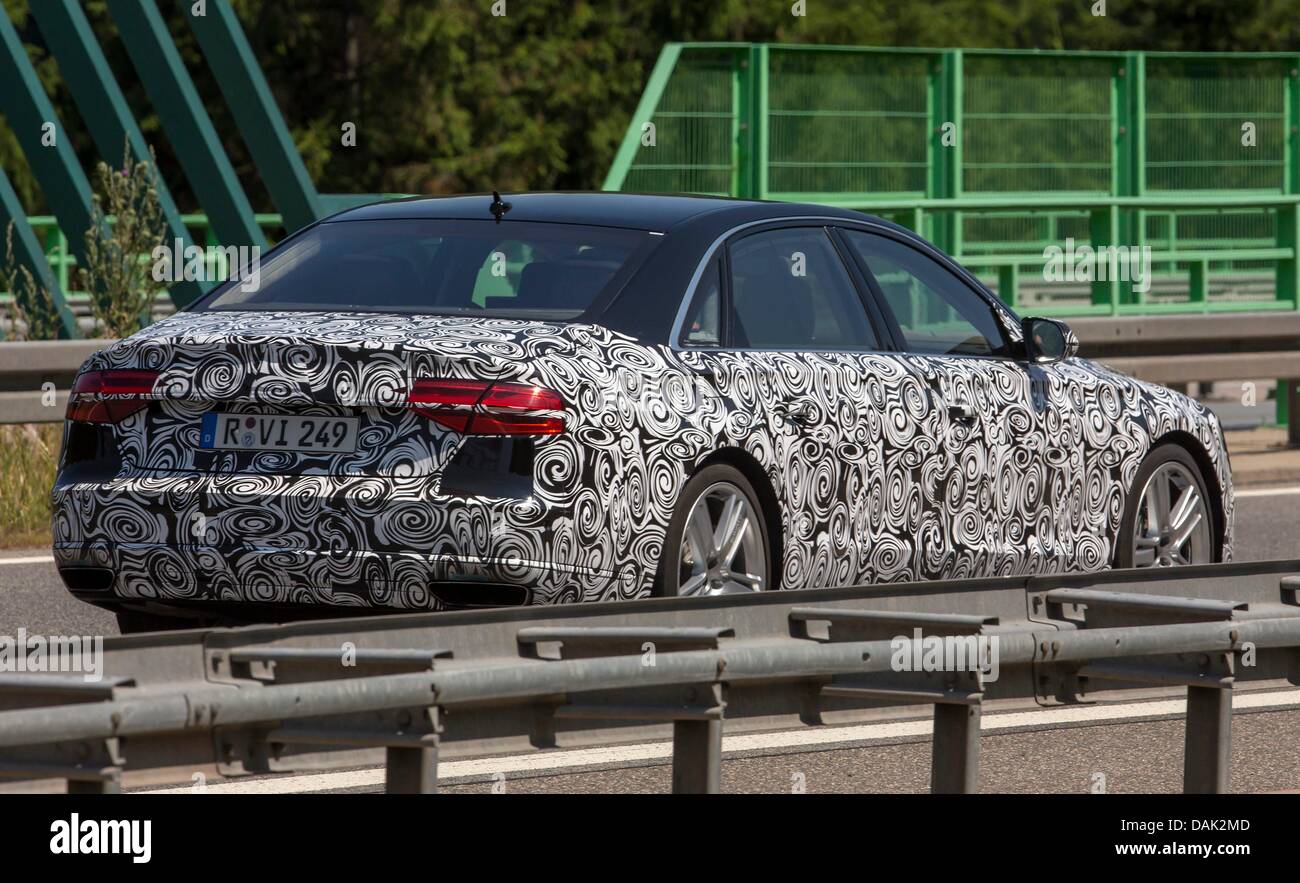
point(703, 325)
point(440, 267)
point(789, 290)
point(937, 312)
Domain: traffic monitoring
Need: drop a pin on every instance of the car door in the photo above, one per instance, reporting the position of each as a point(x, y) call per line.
point(998, 476)
point(791, 346)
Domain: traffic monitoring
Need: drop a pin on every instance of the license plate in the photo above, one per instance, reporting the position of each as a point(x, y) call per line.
point(273, 432)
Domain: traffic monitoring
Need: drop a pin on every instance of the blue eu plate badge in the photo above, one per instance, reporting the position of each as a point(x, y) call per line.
point(208, 431)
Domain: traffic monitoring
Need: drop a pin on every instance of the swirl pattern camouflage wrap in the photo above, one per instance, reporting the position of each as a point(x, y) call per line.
point(883, 486)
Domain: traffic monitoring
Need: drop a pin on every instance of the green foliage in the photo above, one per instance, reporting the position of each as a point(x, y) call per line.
point(447, 97)
point(127, 224)
point(29, 456)
point(34, 314)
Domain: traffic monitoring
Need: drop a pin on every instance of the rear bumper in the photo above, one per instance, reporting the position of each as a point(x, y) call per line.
point(319, 540)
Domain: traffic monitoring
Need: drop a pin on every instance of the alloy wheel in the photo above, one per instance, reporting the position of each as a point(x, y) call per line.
point(722, 545)
point(1173, 521)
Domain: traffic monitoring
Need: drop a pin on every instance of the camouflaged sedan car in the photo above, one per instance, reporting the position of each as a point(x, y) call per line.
point(465, 401)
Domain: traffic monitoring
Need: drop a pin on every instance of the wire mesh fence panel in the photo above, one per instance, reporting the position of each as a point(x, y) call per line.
point(1034, 124)
point(847, 122)
point(692, 147)
point(999, 155)
point(1216, 123)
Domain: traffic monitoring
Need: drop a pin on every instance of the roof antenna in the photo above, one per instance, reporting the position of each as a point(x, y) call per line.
point(499, 208)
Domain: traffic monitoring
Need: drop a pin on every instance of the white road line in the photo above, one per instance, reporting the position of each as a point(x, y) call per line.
point(1286, 491)
point(30, 559)
point(653, 751)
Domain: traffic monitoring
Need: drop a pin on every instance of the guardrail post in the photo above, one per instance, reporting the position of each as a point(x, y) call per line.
point(697, 756)
point(111, 783)
point(411, 770)
point(955, 758)
point(696, 711)
point(1207, 744)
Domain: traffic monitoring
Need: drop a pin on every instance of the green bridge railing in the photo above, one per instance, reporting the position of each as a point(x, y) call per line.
point(995, 155)
point(199, 229)
point(101, 109)
point(64, 263)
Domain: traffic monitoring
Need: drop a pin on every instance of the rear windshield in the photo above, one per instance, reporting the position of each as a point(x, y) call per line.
point(440, 267)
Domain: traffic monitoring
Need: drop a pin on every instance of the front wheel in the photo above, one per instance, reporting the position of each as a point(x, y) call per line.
point(717, 541)
point(1167, 520)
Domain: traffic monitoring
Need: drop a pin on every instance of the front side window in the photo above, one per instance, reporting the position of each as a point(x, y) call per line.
point(938, 313)
point(790, 290)
point(439, 267)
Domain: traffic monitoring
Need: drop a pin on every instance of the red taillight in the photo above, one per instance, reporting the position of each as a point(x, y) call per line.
point(480, 407)
point(110, 396)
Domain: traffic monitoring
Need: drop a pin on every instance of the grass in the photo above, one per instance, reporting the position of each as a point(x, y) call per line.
point(29, 454)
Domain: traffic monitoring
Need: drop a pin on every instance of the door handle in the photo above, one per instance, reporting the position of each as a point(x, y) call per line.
point(961, 413)
point(802, 413)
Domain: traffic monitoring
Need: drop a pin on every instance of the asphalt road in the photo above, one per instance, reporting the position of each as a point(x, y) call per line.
point(32, 596)
point(1136, 748)
point(1127, 758)
point(1124, 748)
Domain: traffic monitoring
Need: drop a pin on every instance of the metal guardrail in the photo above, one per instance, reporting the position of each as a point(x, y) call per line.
point(1181, 349)
point(35, 377)
point(1170, 349)
point(420, 687)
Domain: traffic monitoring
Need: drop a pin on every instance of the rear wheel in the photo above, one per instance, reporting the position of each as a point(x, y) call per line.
point(1167, 521)
point(717, 542)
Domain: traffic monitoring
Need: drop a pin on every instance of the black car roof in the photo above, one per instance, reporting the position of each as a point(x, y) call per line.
point(645, 305)
point(637, 211)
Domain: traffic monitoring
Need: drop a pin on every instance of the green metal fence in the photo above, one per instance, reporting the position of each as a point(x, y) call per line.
point(64, 263)
point(199, 229)
point(996, 155)
point(102, 109)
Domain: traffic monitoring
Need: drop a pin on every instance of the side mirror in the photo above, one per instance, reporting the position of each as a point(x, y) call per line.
point(1048, 340)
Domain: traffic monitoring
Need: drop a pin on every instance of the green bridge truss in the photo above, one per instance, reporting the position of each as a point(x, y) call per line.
point(995, 155)
point(228, 216)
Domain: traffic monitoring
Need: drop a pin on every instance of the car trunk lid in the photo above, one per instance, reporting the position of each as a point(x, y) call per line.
point(313, 394)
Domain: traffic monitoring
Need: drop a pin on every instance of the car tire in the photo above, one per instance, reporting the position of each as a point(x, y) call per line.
point(1142, 543)
point(709, 493)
